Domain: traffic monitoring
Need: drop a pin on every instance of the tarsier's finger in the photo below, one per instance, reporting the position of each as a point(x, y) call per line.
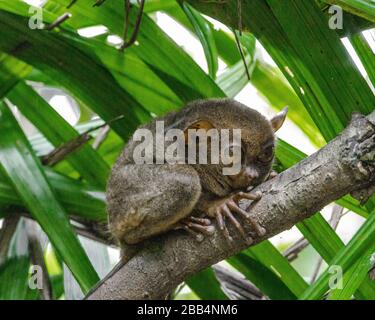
point(222, 226)
point(258, 228)
point(219, 219)
point(233, 206)
point(198, 236)
point(272, 175)
point(247, 195)
point(234, 221)
point(208, 230)
point(203, 221)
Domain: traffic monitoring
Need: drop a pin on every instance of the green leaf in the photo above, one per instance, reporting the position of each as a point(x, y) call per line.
point(11, 70)
point(57, 283)
point(42, 146)
point(362, 8)
point(328, 74)
point(366, 55)
point(86, 161)
point(321, 236)
point(64, 62)
point(155, 47)
point(310, 55)
point(14, 276)
point(346, 257)
point(234, 78)
point(136, 77)
point(353, 24)
point(206, 286)
point(262, 277)
point(270, 82)
point(270, 257)
point(76, 197)
point(204, 32)
point(267, 79)
point(25, 172)
point(316, 229)
point(352, 279)
point(158, 5)
point(225, 43)
point(152, 94)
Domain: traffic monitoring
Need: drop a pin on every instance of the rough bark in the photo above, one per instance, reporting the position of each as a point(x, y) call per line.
point(346, 164)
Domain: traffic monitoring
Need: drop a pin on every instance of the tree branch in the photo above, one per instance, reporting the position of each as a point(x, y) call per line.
point(346, 164)
point(236, 286)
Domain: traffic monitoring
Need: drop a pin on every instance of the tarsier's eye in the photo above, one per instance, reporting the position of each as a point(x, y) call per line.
point(235, 150)
point(235, 153)
point(266, 155)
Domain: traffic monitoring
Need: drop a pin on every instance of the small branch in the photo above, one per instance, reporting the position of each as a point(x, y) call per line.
point(37, 258)
point(102, 135)
point(67, 148)
point(98, 3)
point(6, 234)
point(290, 197)
point(294, 250)
point(97, 232)
point(137, 26)
point(90, 229)
point(337, 214)
point(239, 12)
point(236, 285)
point(371, 273)
point(242, 55)
point(60, 153)
point(127, 8)
point(71, 4)
point(59, 21)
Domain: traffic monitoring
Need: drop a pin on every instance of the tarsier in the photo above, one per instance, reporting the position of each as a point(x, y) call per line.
point(151, 199)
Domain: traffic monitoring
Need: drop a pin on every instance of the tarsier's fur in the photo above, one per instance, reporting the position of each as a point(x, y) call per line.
point(146, 200)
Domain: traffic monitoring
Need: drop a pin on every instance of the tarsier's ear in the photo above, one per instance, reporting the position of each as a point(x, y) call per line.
point(200, 124)
point(278, 120)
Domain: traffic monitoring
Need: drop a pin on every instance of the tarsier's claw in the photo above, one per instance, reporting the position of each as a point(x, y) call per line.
point(203, 221)
point(198, 236)
point(272, 175)
point(207, 230)
point(258, 228)
point(198, 227)
point(226, 208)
point(259, 194)
point(247, 195)
point(234, 221)
point(249, 241)
point(221, 224)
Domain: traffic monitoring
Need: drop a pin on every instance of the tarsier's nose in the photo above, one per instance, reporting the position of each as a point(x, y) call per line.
point(251, 173)
point(245, 178)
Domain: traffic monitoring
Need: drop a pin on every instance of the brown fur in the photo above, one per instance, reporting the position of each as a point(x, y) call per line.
point(146, 200)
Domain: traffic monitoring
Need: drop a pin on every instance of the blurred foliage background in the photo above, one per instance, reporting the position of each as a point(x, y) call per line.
point(70, 99)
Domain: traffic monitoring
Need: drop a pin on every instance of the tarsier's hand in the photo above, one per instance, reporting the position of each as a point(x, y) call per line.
point(226, 208)
point(196, 226)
